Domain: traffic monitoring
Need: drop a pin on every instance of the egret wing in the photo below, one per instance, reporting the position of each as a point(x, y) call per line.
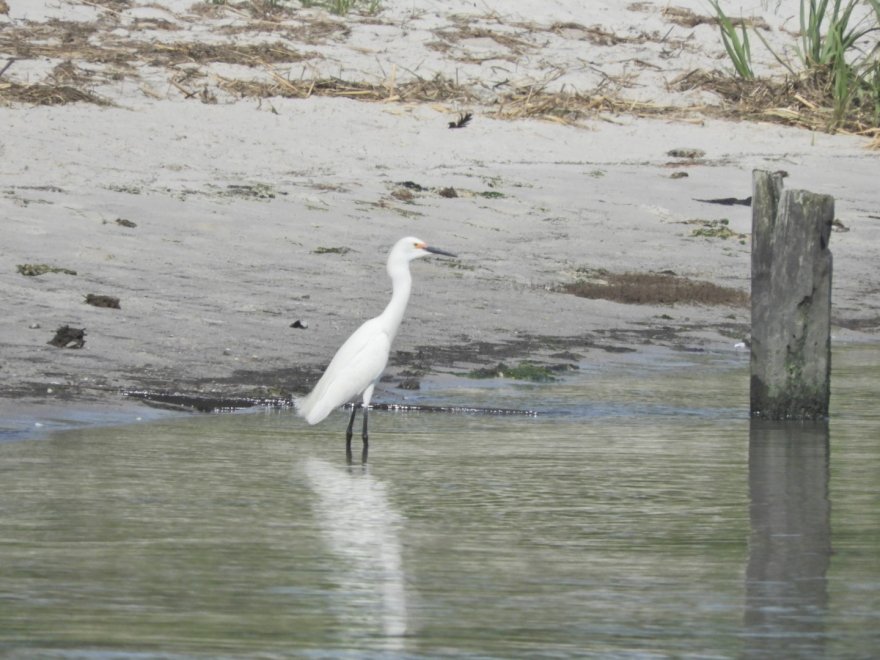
point(358, 363)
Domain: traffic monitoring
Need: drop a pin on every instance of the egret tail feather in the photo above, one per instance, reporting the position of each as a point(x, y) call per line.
point(306, 408)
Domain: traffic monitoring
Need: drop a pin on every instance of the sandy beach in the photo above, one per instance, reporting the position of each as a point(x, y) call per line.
point(224, 193)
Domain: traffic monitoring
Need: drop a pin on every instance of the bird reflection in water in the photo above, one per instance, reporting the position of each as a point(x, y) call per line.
point(362, 529)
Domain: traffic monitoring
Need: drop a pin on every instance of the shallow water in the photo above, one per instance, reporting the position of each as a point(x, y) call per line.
point(640, 516)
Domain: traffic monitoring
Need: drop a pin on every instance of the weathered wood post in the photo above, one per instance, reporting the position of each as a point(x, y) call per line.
point(791, 301)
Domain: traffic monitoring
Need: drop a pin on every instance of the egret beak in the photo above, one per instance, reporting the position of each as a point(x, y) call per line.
point(434, 250)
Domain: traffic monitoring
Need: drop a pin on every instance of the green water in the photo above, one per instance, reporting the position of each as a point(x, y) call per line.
point(640, 517)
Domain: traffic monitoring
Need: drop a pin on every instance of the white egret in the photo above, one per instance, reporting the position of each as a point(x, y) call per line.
point(360, 361)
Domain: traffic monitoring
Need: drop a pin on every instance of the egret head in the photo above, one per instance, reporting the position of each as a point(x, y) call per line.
point(409, 248)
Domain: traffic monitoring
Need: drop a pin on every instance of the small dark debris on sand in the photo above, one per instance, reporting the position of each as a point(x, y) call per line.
point(464, 118)
point(212, 404)
point(449, 193)
point(67, 337)
point(122, 222)
point(204, 403)
point(403, 194)
point(96, 300)
point(412, 185)
point(727, 201)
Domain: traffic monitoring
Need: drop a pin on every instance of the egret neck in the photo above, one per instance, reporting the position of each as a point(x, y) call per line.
point(401, 285)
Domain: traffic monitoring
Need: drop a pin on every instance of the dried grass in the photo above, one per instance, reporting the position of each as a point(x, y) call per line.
point(448, 38)
point(312, 32)
point(66, 84)
point(72, 44)
point(463, 32)
point(524, 102)
point(438, 89)
point(51, 93)
point(566, 107)
point(803, 101)
point(75, 44)
point(261, 10)
point(690, 19)
point(595, 35)
point(158, 54)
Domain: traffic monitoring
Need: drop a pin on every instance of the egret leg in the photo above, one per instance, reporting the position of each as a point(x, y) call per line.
point(364, 434)
point(366, 448)
point(368, 394)
point(348, 431)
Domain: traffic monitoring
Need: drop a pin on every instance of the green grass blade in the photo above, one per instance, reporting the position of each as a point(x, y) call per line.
point(738, 49)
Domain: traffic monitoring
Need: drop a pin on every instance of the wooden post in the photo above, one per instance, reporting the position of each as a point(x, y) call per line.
point(791, 301)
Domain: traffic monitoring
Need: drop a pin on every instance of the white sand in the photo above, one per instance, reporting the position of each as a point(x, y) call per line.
point(212, 276)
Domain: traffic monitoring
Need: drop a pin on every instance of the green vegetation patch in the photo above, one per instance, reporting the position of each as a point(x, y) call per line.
point(715, 229)
point(258, 191)
point(35, 270)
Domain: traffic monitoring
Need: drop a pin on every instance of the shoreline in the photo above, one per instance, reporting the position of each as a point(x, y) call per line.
point(33, 416)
